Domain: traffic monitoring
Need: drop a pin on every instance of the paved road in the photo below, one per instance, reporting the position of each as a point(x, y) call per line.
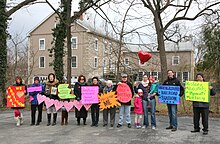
point(26, 134)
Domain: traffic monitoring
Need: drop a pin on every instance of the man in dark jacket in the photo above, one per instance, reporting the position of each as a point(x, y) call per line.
point(172, 108)
point(125, 107)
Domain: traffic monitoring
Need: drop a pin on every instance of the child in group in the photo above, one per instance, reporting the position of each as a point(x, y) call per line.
point(138, 108)
point(17, 113)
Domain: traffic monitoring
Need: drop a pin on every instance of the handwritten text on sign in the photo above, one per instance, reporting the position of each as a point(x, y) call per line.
point(169, 94)
point(124, 93)
point(34, 89)
point(64, 92)
point(197, 91)
point(89, 94)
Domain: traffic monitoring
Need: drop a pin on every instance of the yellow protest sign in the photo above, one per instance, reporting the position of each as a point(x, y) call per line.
point(197, 91)
point(108, 100)
point(64, 92)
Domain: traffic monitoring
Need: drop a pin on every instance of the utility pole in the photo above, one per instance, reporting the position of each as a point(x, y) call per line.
point(68, 37)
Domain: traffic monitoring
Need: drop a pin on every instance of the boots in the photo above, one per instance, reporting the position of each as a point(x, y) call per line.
point(84, 121)
point(62, 118)
point(18, 122)
point(66, 118)
point(78, 121)
point(49, 119)
point(54, 119)
point(21, 119)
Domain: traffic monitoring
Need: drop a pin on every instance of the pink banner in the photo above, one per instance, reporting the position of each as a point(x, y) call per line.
point(34, 89)
point(77, 104)
point(89, 94)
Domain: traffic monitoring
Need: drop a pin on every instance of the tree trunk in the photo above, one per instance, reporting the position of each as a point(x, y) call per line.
point(69, 50)
point(161, 47)
point(3, 47)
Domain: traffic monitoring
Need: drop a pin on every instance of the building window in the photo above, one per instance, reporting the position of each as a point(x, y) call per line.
point(104, 63)
point(155, 74)
point(105, 48)
point(74, 42)
point(95, 62)
point(140, 76)
point(126, 61)
point(96, 44)
point(175, 60)
point(41, 44)
point(179, 76)
point(42, 62)
point(74, 62)
point(185, 76)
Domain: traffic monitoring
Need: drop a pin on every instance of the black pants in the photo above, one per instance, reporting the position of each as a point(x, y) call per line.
point(112, 115)
point(34, 108)
point(196, 118)
point(95, 113)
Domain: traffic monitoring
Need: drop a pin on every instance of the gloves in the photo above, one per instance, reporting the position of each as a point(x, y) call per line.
point(78, 99)
point(151, 97)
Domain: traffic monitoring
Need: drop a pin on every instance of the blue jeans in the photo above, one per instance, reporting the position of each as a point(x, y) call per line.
point(172, 112)
point(152, 110)
point(127, 110)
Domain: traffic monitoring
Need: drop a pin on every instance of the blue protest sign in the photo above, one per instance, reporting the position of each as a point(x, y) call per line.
point(169, 94)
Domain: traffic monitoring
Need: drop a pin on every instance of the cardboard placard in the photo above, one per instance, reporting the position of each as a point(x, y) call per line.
point(108, 100)
point(197, 91)
point(16, 96)
point(64, 92)
point(89, 94)
point(169, 94)
point(124, 93)
point(34, 89)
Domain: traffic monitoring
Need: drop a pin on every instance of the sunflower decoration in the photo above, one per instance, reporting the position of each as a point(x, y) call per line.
point(108, 100)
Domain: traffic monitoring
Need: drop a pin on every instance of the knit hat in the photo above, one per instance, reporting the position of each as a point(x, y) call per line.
point(36, 78)
point(140, 90)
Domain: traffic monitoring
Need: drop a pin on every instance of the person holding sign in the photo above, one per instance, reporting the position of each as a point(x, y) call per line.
point(82, 113)
point(34, 102)
point(201, 108)
point(95, 107)
point(125, 93)
point(17, 113)
point(108, 88)
point(172, 108)
point(51, 92)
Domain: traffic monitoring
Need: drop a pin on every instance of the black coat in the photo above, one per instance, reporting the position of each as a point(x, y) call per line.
point(174, 82)
point(77, 92)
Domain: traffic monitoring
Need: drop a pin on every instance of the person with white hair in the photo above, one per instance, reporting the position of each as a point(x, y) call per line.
point(112, 111)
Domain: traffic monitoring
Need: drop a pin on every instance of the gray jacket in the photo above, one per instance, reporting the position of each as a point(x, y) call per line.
point(204, 104)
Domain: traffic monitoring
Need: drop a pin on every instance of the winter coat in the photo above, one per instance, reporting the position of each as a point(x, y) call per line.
point(132, 92)
point(138, 107)
point(174, 82)
point(77, 92)
point(107, 89)
point(34, 94)
point(154, 88)
point(48, 87)
point(204, 104)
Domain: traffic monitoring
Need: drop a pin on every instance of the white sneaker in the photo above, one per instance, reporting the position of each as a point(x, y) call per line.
point(153, 127)
point(21, 119)
point(18, 121)
point(143, 127)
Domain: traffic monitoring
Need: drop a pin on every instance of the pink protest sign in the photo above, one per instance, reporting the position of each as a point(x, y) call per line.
point(89, 94)
point(124, 93)
point(34, 89)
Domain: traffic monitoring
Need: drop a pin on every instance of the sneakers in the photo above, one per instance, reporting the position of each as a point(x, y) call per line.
point(129, 125)
point(170, 127)
point(143, 127)
point(18, 121)
point(119, 125)
point(195, 130)
point(174, 129)
point(153, 127)
point(205, 132)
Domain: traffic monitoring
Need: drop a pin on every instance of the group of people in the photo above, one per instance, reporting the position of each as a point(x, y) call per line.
point(145, 99)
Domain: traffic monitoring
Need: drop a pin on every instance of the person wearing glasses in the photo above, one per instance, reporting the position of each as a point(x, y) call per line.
point(125, 107)
point(77, 92)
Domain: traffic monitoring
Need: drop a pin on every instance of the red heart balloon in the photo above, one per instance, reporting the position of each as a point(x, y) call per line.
point(144, 56)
